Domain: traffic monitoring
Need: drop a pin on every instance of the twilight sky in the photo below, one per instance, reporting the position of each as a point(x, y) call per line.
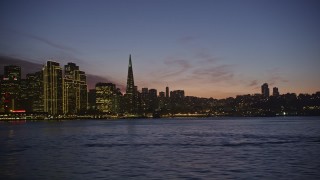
point(213, 48)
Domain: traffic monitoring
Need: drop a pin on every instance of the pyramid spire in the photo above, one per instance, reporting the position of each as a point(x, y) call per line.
point(130, 92)
point(130, 63)
point(130, 81)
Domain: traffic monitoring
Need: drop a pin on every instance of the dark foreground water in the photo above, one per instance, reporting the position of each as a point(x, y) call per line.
point(215, 148)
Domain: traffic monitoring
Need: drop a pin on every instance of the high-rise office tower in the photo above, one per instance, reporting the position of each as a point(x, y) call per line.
point(10, 88)
point(75, 96)
point(145, 99)
point(162, 100)
point(265, 90)
point(92, 99)
point(82, 101)
point(130, 91)
point(153, 100)
point(105, 97)
point(52, 88)
point(35, 91)
point(275, 91)
point(167, 92)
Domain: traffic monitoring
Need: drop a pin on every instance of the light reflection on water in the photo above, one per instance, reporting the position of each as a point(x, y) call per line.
point(216, 148)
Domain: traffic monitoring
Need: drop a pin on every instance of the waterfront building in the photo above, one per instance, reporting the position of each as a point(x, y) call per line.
point(35, 91)
point(105, 97)
point(75, 97)
point(92, 99)
point(118, 102)
point(275, 91)
point(10, 88)
point(167, 92)
point(52, 88)
point(265, 90)
point(162, 100)
point(177, 100)
point(144, 99)
point(153, 100)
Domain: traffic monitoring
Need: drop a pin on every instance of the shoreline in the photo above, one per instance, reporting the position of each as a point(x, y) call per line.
point(138, 117)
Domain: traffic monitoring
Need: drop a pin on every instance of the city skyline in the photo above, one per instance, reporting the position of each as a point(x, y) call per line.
point(131, 87)
point(209, 48)
point(63, 93)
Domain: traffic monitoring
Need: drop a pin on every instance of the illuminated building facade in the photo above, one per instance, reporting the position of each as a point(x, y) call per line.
point(106, 99)
point(10, 88)
point(35, 91)
point(52, 88)
point(75, 97)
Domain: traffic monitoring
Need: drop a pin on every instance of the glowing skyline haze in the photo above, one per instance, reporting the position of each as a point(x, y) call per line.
point(207, 48)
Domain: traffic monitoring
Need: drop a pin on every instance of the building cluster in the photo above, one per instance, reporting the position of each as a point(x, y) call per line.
point(50, 90)
point(107, 99)
point(54, 91)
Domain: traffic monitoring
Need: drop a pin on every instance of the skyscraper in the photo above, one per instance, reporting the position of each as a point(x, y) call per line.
point(153, 100)
point(105, 97)
point(75, 96)
point(10, 88)
point(130, 92)
point(265, 90)
point(145, 99)
point(167, 92)
point(275, 91)
point(52, 88)
point(35, 91)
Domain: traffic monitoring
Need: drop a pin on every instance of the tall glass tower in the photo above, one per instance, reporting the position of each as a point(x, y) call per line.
point(265, 90)
point(74, 89)
point(52, 88)
point(130, 92)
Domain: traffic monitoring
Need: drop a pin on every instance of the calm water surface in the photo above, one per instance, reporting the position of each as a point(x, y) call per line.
point(210, 148)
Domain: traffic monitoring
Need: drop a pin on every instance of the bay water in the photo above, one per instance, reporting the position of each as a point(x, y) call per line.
point(177, 148)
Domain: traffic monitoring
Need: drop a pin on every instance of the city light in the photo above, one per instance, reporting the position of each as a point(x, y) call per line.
point(59, 93)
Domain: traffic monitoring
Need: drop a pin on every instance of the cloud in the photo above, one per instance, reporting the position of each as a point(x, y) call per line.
point(180, 66)
point(26, 66)
point(275, 77)
point(46, 41)
point(276, 80)
point(51, 43)
point(205, 56)
point(214, 74)
point(186, 39)
point(253, 83)
point(181, 63)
